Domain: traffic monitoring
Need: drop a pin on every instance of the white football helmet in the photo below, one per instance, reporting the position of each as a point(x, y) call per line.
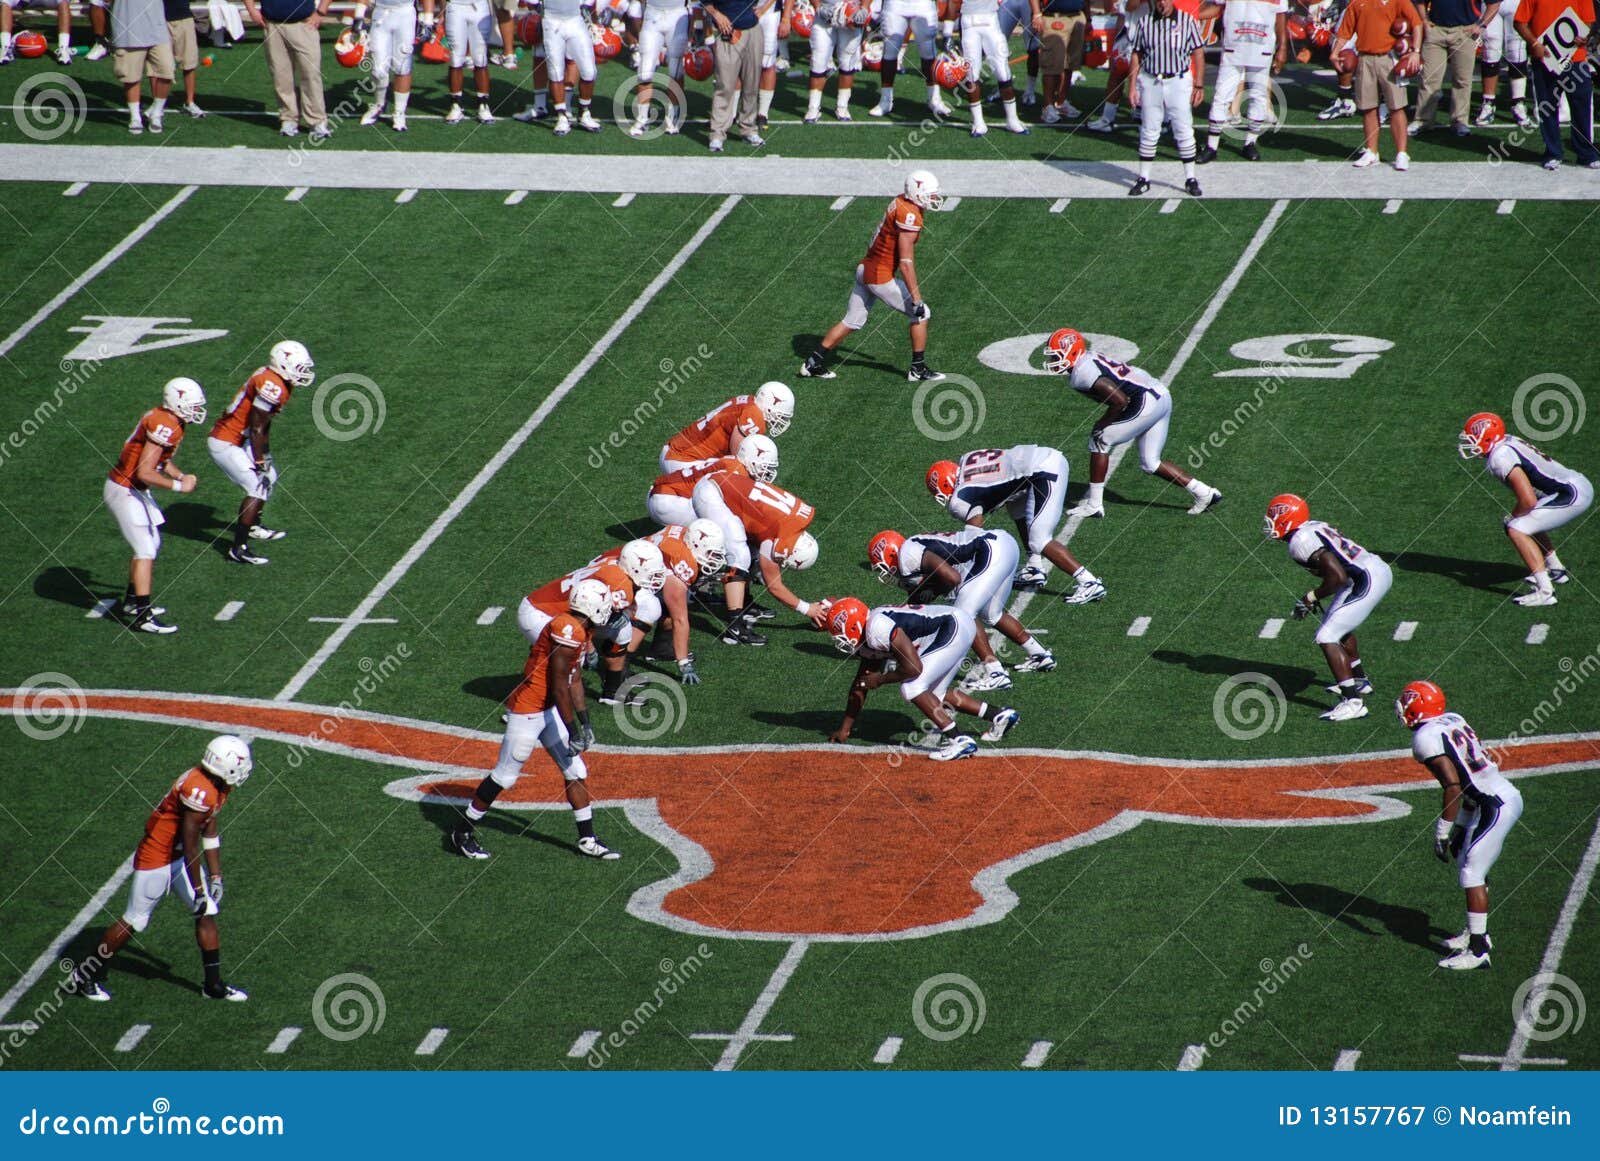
point(228, 757)
point(759, 455)
point(804, 553)
point(777, 404)
point(291, 360)
point(707, 544)
point(184, 399)
point(644, 564)
point(591, 600)
point(922, 189)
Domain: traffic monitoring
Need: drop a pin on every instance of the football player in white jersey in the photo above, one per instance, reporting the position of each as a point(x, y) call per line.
point(664, 28)
point(391, 39)
point(1138, 407)
point(1255, 38)
point(920, 18)
point(1480, 808)
point(774, 26)
point(1354, 578)
point(926, 644)
point(567, 38)
point(977, 567)
point(468, 26)
point(982, 40)
point(836, 40)
point(1030, 483)
point(1502, 43)
point(1548, 495)
point(1015, 14)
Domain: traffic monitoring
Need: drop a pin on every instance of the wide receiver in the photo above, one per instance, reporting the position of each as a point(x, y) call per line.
point(671, 496)
point(977, 567)
point(888, 274)
point(774, 520)
point(181, 851)
point(241, 441)
point(719, 432)
point(926, 644)
point(145, 463)
point(1138, 408)
point(1480, 807)
point(1030, 483)
point(1356, 580)
point(1548, 495)
point(548, 707)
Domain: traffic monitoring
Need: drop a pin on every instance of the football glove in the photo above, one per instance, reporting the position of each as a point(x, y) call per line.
point(578, 738)
point(686, 671)
point(1305, 606)
point(425, 28)
point(215, 886)
point(921, 312)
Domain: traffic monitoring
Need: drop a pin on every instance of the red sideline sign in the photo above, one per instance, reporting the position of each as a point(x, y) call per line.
point(1562, 39)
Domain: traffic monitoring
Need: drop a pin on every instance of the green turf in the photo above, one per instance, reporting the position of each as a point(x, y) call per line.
point(466, 313)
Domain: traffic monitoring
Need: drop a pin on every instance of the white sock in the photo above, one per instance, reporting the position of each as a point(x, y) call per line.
point(886, 100)
point(933, 93)
point(133, 110)
point(63, 39)
point(1197, 488)
point(814, 103)
point(1035, 560)
point(158, 105)
point(1519, 88)
point(541, 99)
point(995, 666)
point(1144, 172)
point(1213, 140)
point(977, 115)
point(1097, 492)
point(1011, 112)
point(5, 41)
point(764, 102)
point(582, 813)
point(1188, 168)
point(844, 98)
point(1541, 580)
point(1111, 110)
point(474, 814)
point(1083, 576)
point(1552, 561)
point(401, 100)
point(380, 94)
point(1032, 647)
point(1477, 923)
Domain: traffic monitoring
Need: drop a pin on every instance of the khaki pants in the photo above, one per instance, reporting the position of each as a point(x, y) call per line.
point(294, 54)
point(1455, 50)
point(736, 64)
point(1061, 43)
point(1375, 83)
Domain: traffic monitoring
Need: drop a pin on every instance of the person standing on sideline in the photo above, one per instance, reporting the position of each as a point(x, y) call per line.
point(1164, 44)
point(1372, 24)
point(294, 56)
point(1255, 38)
point(1550, 81)
point(737, 64)
point(142, 46)
point(1450, 46)
point(1061, 26)
point(185, 50)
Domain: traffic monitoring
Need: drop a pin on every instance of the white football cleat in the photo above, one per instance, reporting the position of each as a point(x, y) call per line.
point(1000, 724)
point(638, 129)
point(1031, 577)
point(1536, 599)
point(1559, 576)
point(455, 116)
point(1207, 499)
point(1465, 961)
point(984, 680)
point(228, 992)
point(587, 123)
point(370, 117)
point(937, 107)
point(1363, 687)
point(1085, 510)
point(563, 124)
point(1037, 663)
point(595, 849)
point(1087, 591)
point(1459, 942)
point(1347, 710)
point(484, 116)
point(960, 746)
point(882, 108)
point(398, 122)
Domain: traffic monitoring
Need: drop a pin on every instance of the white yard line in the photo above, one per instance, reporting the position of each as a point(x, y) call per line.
point(1405, 630)
point(1486, 1058)
point(106, 260)
point(1270, 630)
point(1508, 206)
point(1060, 204)
point(430, 1042)
point(623, 200)
point(841, 202)
point(1553, 951)
point(515, 197)
point(1140, 626)
point(1537, 634)
point(584, 1044)
point(280, 1042)
point(404, 196)
point(888, 1050)
point(1038, 1053)
point(1346, 1060)
point(74, 189)
point(1170, 206)
point(49, 957)
point(1392, 206)
point(296, 193)
point(491, 469)
point(130, 1038)
point(750, 1028)
point(1191, 1060)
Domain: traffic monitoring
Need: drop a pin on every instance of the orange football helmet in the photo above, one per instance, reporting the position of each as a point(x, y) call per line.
point(30, 44)
point(698, 63)
point(949, 71)
point(941, 480)
point(1062, 351)
point(1481, 433)
point(883, 553)
point(607, 44)
point(349, 49)
point(847, 623)
point(1419, 701)
point(858, 14)
point(803, 19)
point(1285, 513)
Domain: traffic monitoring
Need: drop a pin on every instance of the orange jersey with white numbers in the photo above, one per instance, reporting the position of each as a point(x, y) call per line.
point(680, 561)
point(882, 262)
point(681, 482)
point(552, 598)
point(711, 435)
point(157, 426)
point(767, 511)
point(265, 389)
point(163, 830)
point(534, 692)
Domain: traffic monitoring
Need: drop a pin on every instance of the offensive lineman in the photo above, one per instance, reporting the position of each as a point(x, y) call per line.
point(1480, 807)
point(1138, 407)
point(1255, 39)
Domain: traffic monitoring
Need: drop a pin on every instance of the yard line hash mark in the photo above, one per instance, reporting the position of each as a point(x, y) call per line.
point(280, 1042)
point(130, 1038)
point(490, 615)
point(1038, 1053)
point(583, 1045)
point(888, 1050)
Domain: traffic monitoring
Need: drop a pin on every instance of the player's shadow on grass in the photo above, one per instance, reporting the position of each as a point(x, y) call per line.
point(444, 816)
point(880, 727)
point(1407, 923)
point(1290, 678)
point(71, 586)
point(1489, 576)
point(495, 687)
point(200, 523)
point(633, 529)
point(803, 345)
point(133, 960)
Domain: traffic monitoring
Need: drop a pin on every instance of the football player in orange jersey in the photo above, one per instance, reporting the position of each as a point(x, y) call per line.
point(181, 850)
point(720, 432)
point(751, 512)
point(146, 462)
point(888, 273)
point(241, 444)
point(548, 707)
point(685, 552)
point(670, 500)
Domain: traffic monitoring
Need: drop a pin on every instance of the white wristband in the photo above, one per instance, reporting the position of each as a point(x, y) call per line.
point(803, 608)
point(177, 485)
point(1441, 829)
point(210, 842)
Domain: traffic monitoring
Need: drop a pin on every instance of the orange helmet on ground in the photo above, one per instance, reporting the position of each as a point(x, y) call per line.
point(949, 71)
point(847, 623)
point(883, 553)
point(941, 480)
point(349, 49)
point(1481, 432)
point(1285, 513)
point(698, 63)
point(1063, 349)
point(1419, 701)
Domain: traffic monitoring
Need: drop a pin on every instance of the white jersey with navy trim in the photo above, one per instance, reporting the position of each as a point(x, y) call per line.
point(970, 553)
point(929, 627)
point(1316, 536)
point(1131, 380)
point(1548, 477)
point(988, 478)
point(1449, 736)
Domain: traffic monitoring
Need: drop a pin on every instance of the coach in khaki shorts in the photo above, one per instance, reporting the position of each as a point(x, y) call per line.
point(185, 50)
point(142, 45)
point(1369, 24)
point(1061, 26)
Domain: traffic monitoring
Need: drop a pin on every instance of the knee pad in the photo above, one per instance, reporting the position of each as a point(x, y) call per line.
point(575, 770)
point(137, 922)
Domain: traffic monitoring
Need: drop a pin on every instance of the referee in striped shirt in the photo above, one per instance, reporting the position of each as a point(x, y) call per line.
point(1166, 63)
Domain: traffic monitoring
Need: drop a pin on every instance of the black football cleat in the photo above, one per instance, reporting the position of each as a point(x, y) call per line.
point(922, 373)
point(464, 842)
point(1193, 187)
point(1206, 156)
point(739, 632)
point(758, 613)
point(148, 622)
point(225, 992)
point(242, 554)
point(1250, 152)
point(1140, 186)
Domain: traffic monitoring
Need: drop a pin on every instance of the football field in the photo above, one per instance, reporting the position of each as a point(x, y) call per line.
point(1170, 863)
